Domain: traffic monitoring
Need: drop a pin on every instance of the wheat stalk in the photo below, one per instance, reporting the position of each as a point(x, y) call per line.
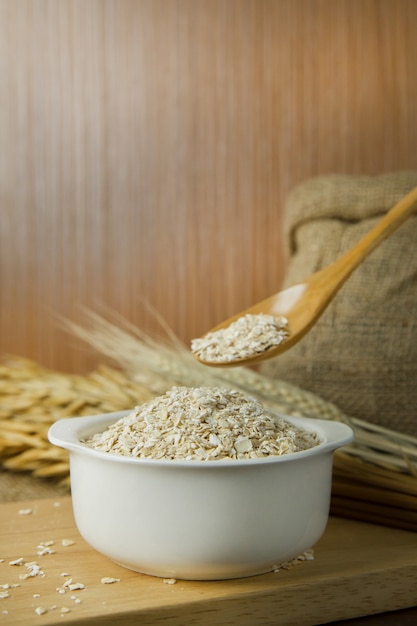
point(381, 464)
point(170, 362)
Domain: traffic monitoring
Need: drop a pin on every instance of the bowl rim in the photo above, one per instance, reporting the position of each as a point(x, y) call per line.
point(68, 433)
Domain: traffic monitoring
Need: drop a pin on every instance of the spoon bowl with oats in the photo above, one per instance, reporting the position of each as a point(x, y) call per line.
point(272, 326)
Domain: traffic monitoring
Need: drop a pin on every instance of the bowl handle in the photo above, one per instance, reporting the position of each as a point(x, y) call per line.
point(65, 433)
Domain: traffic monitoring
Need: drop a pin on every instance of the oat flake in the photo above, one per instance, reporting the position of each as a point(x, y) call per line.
point(107, 580)
point(308, 555)
point(25, 511)
point(204, 423)
point(40, 610)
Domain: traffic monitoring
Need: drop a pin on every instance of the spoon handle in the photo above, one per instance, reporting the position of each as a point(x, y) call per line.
point(338, 272)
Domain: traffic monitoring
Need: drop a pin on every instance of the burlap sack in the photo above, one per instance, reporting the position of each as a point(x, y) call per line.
point(362, 354)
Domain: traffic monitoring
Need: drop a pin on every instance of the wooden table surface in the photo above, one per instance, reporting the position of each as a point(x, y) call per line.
point(358, 569)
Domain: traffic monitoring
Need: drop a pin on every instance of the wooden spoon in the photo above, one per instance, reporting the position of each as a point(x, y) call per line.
point(303, 303)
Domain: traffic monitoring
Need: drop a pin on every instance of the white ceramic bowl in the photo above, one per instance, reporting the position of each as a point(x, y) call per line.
point(199, 520)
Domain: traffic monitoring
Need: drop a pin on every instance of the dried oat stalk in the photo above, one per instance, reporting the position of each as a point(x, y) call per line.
point(32, 398)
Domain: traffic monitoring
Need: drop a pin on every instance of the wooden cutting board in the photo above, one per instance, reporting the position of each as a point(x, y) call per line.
point(358, 569)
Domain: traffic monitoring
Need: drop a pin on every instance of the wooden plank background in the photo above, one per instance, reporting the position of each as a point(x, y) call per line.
point(147, 147)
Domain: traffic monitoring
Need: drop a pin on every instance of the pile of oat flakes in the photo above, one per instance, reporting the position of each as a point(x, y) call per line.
point(202, 423)
point(247, 336)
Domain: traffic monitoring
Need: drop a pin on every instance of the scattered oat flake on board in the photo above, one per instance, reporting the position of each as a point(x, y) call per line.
point(18, 561)
point(45, 548)
point(308, 555)
point(40, 610)
point(4, 595)
point(76, 586)
point(107, 580)
point(69, 585)
point(67, 542)
point(25, 511)
point(32, 569)
point(170, 581)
